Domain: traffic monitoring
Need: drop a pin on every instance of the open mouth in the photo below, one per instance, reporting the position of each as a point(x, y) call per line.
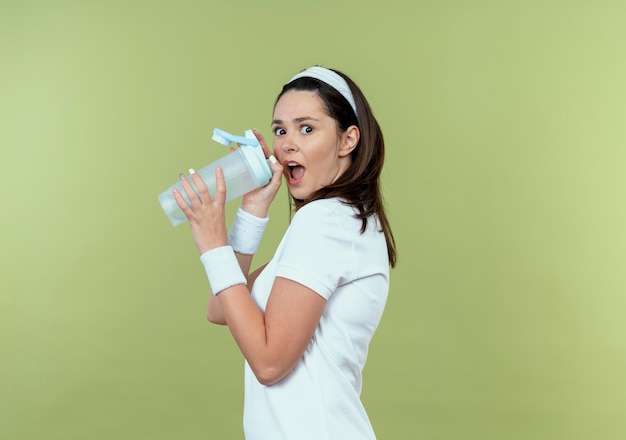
point(294, 172)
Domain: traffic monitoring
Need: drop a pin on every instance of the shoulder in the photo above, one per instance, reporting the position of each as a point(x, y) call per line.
point(323, 225)
point(317, 250)
point(326, 211)
point(339, 216)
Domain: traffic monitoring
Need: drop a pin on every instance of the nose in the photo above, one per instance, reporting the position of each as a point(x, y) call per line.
point(288, 144)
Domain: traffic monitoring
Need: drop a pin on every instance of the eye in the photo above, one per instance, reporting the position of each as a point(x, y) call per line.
point(279, 131)
point(306, 129)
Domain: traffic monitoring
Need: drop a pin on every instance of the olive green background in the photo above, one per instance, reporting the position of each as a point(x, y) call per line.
point(505, 182)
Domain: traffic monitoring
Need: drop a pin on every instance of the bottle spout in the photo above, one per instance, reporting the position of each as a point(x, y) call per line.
point(226, 138)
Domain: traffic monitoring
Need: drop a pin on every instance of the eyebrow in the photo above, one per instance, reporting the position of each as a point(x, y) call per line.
point(300, 119)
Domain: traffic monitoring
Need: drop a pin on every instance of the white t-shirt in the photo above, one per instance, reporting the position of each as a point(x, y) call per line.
point(319, 399)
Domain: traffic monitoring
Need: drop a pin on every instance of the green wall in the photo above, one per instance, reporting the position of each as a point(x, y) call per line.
point(505, 182)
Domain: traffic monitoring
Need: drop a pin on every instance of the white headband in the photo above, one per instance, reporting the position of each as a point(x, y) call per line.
point(331, 78)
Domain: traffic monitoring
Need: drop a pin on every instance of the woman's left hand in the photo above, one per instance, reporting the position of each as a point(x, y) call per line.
point(258, 201)
point(206, 215)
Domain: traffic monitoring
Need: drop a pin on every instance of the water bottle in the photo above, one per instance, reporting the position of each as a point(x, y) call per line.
point(244, 169)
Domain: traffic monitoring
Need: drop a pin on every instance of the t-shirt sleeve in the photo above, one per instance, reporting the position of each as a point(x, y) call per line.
point(318, 251)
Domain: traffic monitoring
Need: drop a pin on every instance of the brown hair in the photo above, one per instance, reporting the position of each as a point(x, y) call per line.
point(359, 185)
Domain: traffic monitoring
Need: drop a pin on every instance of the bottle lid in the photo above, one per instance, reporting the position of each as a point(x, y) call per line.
point(259, 166)
point(250, 147)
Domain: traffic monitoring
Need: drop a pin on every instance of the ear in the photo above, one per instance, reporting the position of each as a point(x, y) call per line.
point(350, 140)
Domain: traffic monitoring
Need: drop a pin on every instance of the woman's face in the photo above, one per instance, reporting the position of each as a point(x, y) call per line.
point(307, 143)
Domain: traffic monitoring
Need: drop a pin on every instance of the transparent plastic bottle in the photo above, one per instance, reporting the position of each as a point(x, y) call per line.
point(244, 169)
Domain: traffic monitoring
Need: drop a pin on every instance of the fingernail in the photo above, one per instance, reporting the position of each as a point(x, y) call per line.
point(192, 171)
point(272, 159)
point(181, 176)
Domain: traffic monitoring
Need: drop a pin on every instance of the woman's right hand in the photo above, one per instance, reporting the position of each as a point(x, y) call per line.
point(258, 201)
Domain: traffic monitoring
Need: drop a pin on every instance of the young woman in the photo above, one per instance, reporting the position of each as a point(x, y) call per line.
point(304, 320)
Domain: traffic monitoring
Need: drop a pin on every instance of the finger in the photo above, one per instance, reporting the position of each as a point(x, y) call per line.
point(182, 203)
point(220, 186)
point(276, 167)
point(189, 191)
point(261, 140)
point(203, 190)
point(277, 170)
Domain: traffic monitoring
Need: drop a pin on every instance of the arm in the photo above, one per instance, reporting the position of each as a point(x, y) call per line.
point(244, 237)
point(272, 343)
point(214, 309)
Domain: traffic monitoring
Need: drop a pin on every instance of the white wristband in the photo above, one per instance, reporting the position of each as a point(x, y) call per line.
point(246, 232)
point(222, 268)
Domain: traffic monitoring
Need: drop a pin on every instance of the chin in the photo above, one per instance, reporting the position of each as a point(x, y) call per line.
point(299, 194)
